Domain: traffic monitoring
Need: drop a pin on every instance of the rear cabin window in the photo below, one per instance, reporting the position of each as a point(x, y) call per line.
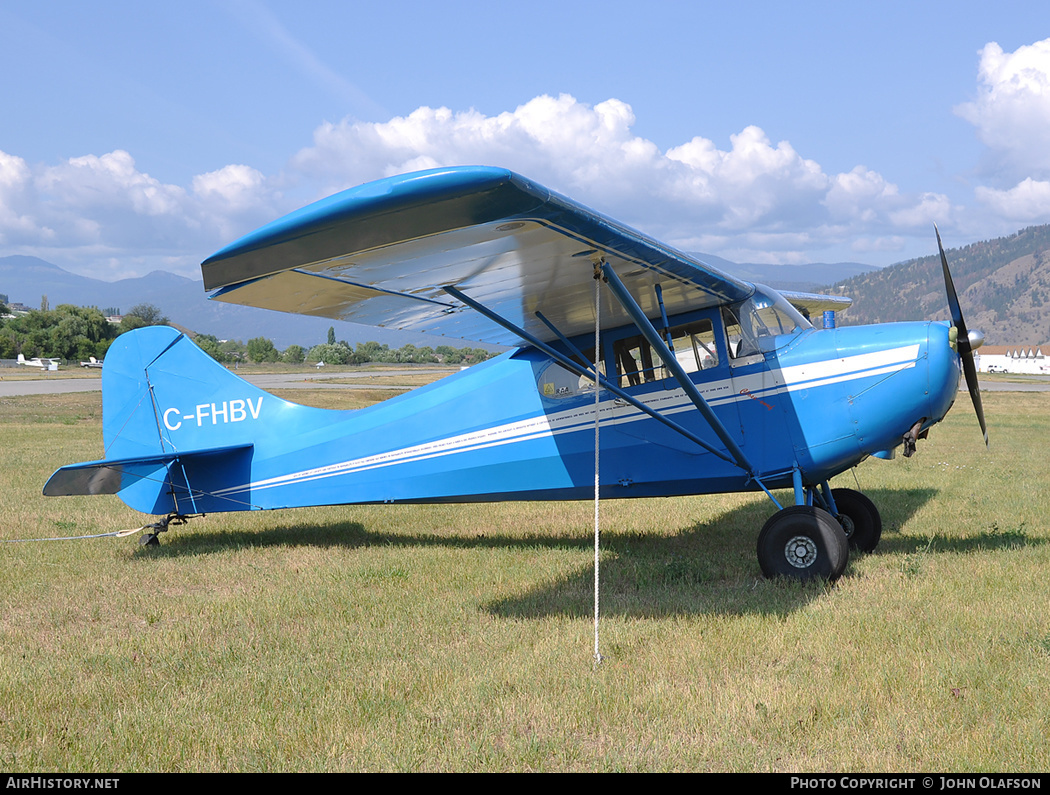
point(555, 381)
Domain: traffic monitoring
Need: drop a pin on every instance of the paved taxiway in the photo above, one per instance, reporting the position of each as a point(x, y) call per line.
point(54, 385)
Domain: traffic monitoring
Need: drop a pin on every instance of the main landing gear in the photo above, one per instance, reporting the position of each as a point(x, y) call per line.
point(813, 540)
point(803, 542)
point(859, 518)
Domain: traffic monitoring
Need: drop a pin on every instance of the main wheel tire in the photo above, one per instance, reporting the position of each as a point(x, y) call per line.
point(859, 519)
point(803, 542)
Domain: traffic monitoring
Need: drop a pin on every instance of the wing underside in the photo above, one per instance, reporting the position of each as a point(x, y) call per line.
point(813, 304)
point(381, 254)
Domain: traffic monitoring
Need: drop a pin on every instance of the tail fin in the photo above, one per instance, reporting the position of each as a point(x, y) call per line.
point(177, 427)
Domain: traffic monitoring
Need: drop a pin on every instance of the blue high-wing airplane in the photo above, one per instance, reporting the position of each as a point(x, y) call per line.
point(707, 383)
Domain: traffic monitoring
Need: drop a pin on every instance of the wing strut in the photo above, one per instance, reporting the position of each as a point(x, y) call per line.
point(671, 363)
point(587, 372)
point(567, 343)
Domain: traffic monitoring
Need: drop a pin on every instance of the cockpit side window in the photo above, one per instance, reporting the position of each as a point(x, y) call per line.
point(693, 345)
point(635, 363)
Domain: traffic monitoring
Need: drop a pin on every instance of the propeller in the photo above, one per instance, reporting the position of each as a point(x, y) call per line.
point(963, 341)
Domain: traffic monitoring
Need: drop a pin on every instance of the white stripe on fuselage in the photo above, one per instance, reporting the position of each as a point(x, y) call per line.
point(790, 379)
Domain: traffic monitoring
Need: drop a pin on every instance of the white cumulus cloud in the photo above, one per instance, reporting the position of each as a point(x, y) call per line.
point(860, 194)
point(102, 212)
point(233, 199)
point(930, 209)
point(235, 186)
point(751, 183)
point(689, 194)
point(16, 223)
point(1011, 114)
point(544, 138)
point(1028, 201)
point(1012, 108)
point(751, 198)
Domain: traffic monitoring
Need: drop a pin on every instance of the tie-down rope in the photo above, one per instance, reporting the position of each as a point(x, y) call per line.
point(597, 399)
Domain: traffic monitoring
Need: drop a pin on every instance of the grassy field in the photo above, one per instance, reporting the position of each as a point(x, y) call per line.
point(461, 637)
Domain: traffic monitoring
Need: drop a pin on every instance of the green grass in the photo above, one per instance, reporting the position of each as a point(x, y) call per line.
point(461, 637)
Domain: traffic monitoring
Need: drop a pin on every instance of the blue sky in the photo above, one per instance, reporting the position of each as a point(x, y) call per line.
point(139, 136)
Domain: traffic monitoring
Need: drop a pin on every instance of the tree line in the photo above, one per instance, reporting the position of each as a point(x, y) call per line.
point(68, 332)
point(261, 349)
point(75, 333)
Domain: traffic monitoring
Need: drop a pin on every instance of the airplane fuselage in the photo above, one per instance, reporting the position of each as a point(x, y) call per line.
point(520, 426)
point(44, 364)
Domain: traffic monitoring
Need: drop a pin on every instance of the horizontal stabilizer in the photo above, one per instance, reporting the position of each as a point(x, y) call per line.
point(174, 470)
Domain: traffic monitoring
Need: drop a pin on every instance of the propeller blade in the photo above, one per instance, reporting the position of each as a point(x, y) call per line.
point(962, 340)
point(970, 371)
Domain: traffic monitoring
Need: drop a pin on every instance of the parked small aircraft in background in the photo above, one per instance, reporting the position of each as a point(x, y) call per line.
point(707, 383)
point(36, 361)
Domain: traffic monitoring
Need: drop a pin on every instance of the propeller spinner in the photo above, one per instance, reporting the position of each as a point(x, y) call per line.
point(966, 341)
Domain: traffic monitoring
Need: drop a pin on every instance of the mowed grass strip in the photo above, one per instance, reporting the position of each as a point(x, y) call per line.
point(460, 637)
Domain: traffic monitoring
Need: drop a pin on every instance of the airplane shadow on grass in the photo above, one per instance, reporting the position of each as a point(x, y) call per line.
point(708, 567)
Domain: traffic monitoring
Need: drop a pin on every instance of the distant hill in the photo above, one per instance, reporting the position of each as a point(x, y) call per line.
point(1003, 287)
point(810, 277)
point(185, 303)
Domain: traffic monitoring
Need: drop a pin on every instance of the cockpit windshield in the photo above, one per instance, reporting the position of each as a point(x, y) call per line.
point(764, 322)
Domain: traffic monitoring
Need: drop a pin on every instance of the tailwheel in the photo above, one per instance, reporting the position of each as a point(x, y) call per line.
point(803, 542)
point(151, 532)
point(859, 518)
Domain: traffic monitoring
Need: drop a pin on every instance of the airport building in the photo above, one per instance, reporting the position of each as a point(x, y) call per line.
point(1027, 359)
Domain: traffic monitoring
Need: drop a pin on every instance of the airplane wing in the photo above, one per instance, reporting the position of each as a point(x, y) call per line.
point(380, 254)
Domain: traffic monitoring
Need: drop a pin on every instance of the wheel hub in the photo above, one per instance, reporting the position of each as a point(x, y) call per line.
point(800, 552)
point(847, 525)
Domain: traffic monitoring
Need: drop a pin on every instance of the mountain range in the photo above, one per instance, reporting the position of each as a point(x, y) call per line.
point(26, 280)
point(1003, 285)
